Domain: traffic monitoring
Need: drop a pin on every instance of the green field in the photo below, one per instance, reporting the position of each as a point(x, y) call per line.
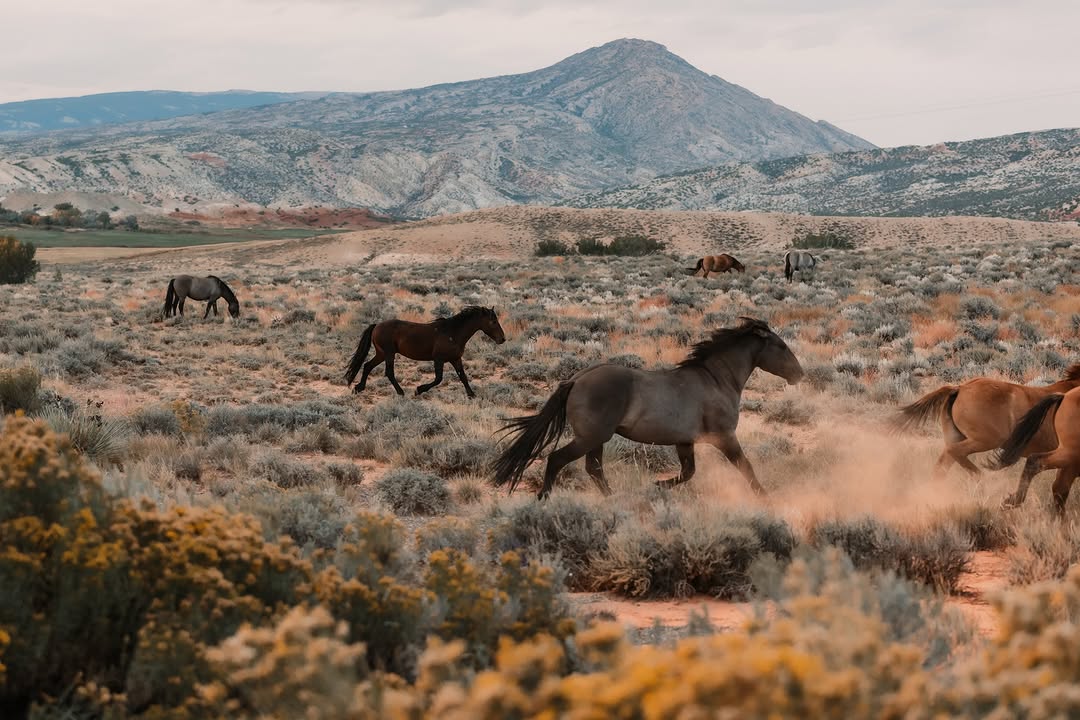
point(152, 239)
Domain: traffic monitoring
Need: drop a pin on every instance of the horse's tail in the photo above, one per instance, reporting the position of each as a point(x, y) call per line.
point(787, 266)
point(170, 297)
point(360, 355)
point(925, 407)
point(534, 433)
point(1013, 448)
point(691, 271)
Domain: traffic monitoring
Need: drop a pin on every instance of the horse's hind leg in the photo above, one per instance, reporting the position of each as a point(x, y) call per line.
point(1032, 467)
point(558, 460)
point(594, 465)
point(368, 367)
point(181, 307)
point(686, 466)
point(390, 374)
point(438, 379)
point(459, 368)
point(1062, 485)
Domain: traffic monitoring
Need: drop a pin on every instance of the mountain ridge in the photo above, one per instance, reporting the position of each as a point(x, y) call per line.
point(1026, 176)
point(615, 114)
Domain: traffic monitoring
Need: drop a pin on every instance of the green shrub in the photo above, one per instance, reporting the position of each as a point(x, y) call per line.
point(17, 263)
point(623, 245)
point(549, 247)
point(413, 492)
point(101, 439)
point(562, 527)
point(19, 388)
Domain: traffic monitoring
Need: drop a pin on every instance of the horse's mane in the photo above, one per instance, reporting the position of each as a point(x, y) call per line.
point(720, 339)
point(1072, 372)
point(452, 323)
point(226, 291)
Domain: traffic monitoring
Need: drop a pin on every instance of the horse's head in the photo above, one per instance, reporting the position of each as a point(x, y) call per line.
point(489, 323)
point(234, 308)
point(775, 356)
point(738, 265)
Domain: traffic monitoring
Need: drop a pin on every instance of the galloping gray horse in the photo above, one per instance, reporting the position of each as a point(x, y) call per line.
point(698, 401)
point(796, 260)
point(209, 288)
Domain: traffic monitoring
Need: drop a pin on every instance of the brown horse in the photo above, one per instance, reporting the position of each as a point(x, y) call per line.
point(442, 341)
point(978, 415)
point(1049, 436)
point(716, 263)
point(698, 401)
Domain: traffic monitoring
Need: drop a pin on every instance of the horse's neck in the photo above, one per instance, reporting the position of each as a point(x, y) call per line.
point(465, 332)
point(732, 365)
point(1062, 386)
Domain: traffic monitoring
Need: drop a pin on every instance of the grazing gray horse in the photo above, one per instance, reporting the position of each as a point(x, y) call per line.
point(795, 260)
point(209, 288)
point(698, 401)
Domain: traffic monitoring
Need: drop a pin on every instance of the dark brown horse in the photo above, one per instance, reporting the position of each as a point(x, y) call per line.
point(716, 263)
point(698, 401)
point(978, 415)
point(209, 288)
point(1049, 436)
point(442, 341)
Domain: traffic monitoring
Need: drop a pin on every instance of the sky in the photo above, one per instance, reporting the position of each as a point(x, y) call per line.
point(894, 72)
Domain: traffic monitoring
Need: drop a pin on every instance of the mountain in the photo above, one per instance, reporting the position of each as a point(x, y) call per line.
point(1029, 176)
point(110, 108)
point(613, 115)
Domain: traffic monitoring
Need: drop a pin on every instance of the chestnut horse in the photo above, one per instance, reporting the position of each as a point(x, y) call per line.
point(978, 415)
point(1049, 436)
point(716, 263)
point(442, 341)
point(698, 401)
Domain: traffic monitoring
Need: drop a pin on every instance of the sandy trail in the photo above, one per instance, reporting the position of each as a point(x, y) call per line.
point(986, 575)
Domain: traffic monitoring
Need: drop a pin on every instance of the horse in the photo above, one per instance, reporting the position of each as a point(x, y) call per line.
point(797, 260)
point(978, 415)
point(442, 341)
point(209, 288)
point(697, 401)
point(1049, 436)
point(716, 263)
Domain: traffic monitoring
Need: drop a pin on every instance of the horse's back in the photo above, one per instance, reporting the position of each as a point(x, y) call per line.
point(988, 409)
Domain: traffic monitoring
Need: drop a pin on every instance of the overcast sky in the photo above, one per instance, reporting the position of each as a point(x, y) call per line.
point(894, 72)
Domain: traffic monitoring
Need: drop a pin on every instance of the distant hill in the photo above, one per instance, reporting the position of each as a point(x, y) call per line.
point(91, 111)
point(1034, 176)
point(613, 115)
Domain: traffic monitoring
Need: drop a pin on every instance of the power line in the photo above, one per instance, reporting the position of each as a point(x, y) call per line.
point(963, 106)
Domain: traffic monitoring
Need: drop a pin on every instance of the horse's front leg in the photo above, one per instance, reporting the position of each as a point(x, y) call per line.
point(438, 379)
point(207, 313)
point(460, 369)
point(390, 374)
point(729, 445)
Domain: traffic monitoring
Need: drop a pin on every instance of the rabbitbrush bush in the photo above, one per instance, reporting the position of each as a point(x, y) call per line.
point(111, 605)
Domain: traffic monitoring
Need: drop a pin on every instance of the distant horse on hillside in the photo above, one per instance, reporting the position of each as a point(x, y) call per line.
point(1049, 436)
point(798, 261)
point(698, 401)
point(716, 263)
point(442, 341)
point(209, 288)
point(979, 416)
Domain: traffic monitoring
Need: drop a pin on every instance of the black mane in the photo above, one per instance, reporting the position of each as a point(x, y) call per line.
point(1072, 372)
point(452, 323)
point(720, 339)
point(226, 291)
